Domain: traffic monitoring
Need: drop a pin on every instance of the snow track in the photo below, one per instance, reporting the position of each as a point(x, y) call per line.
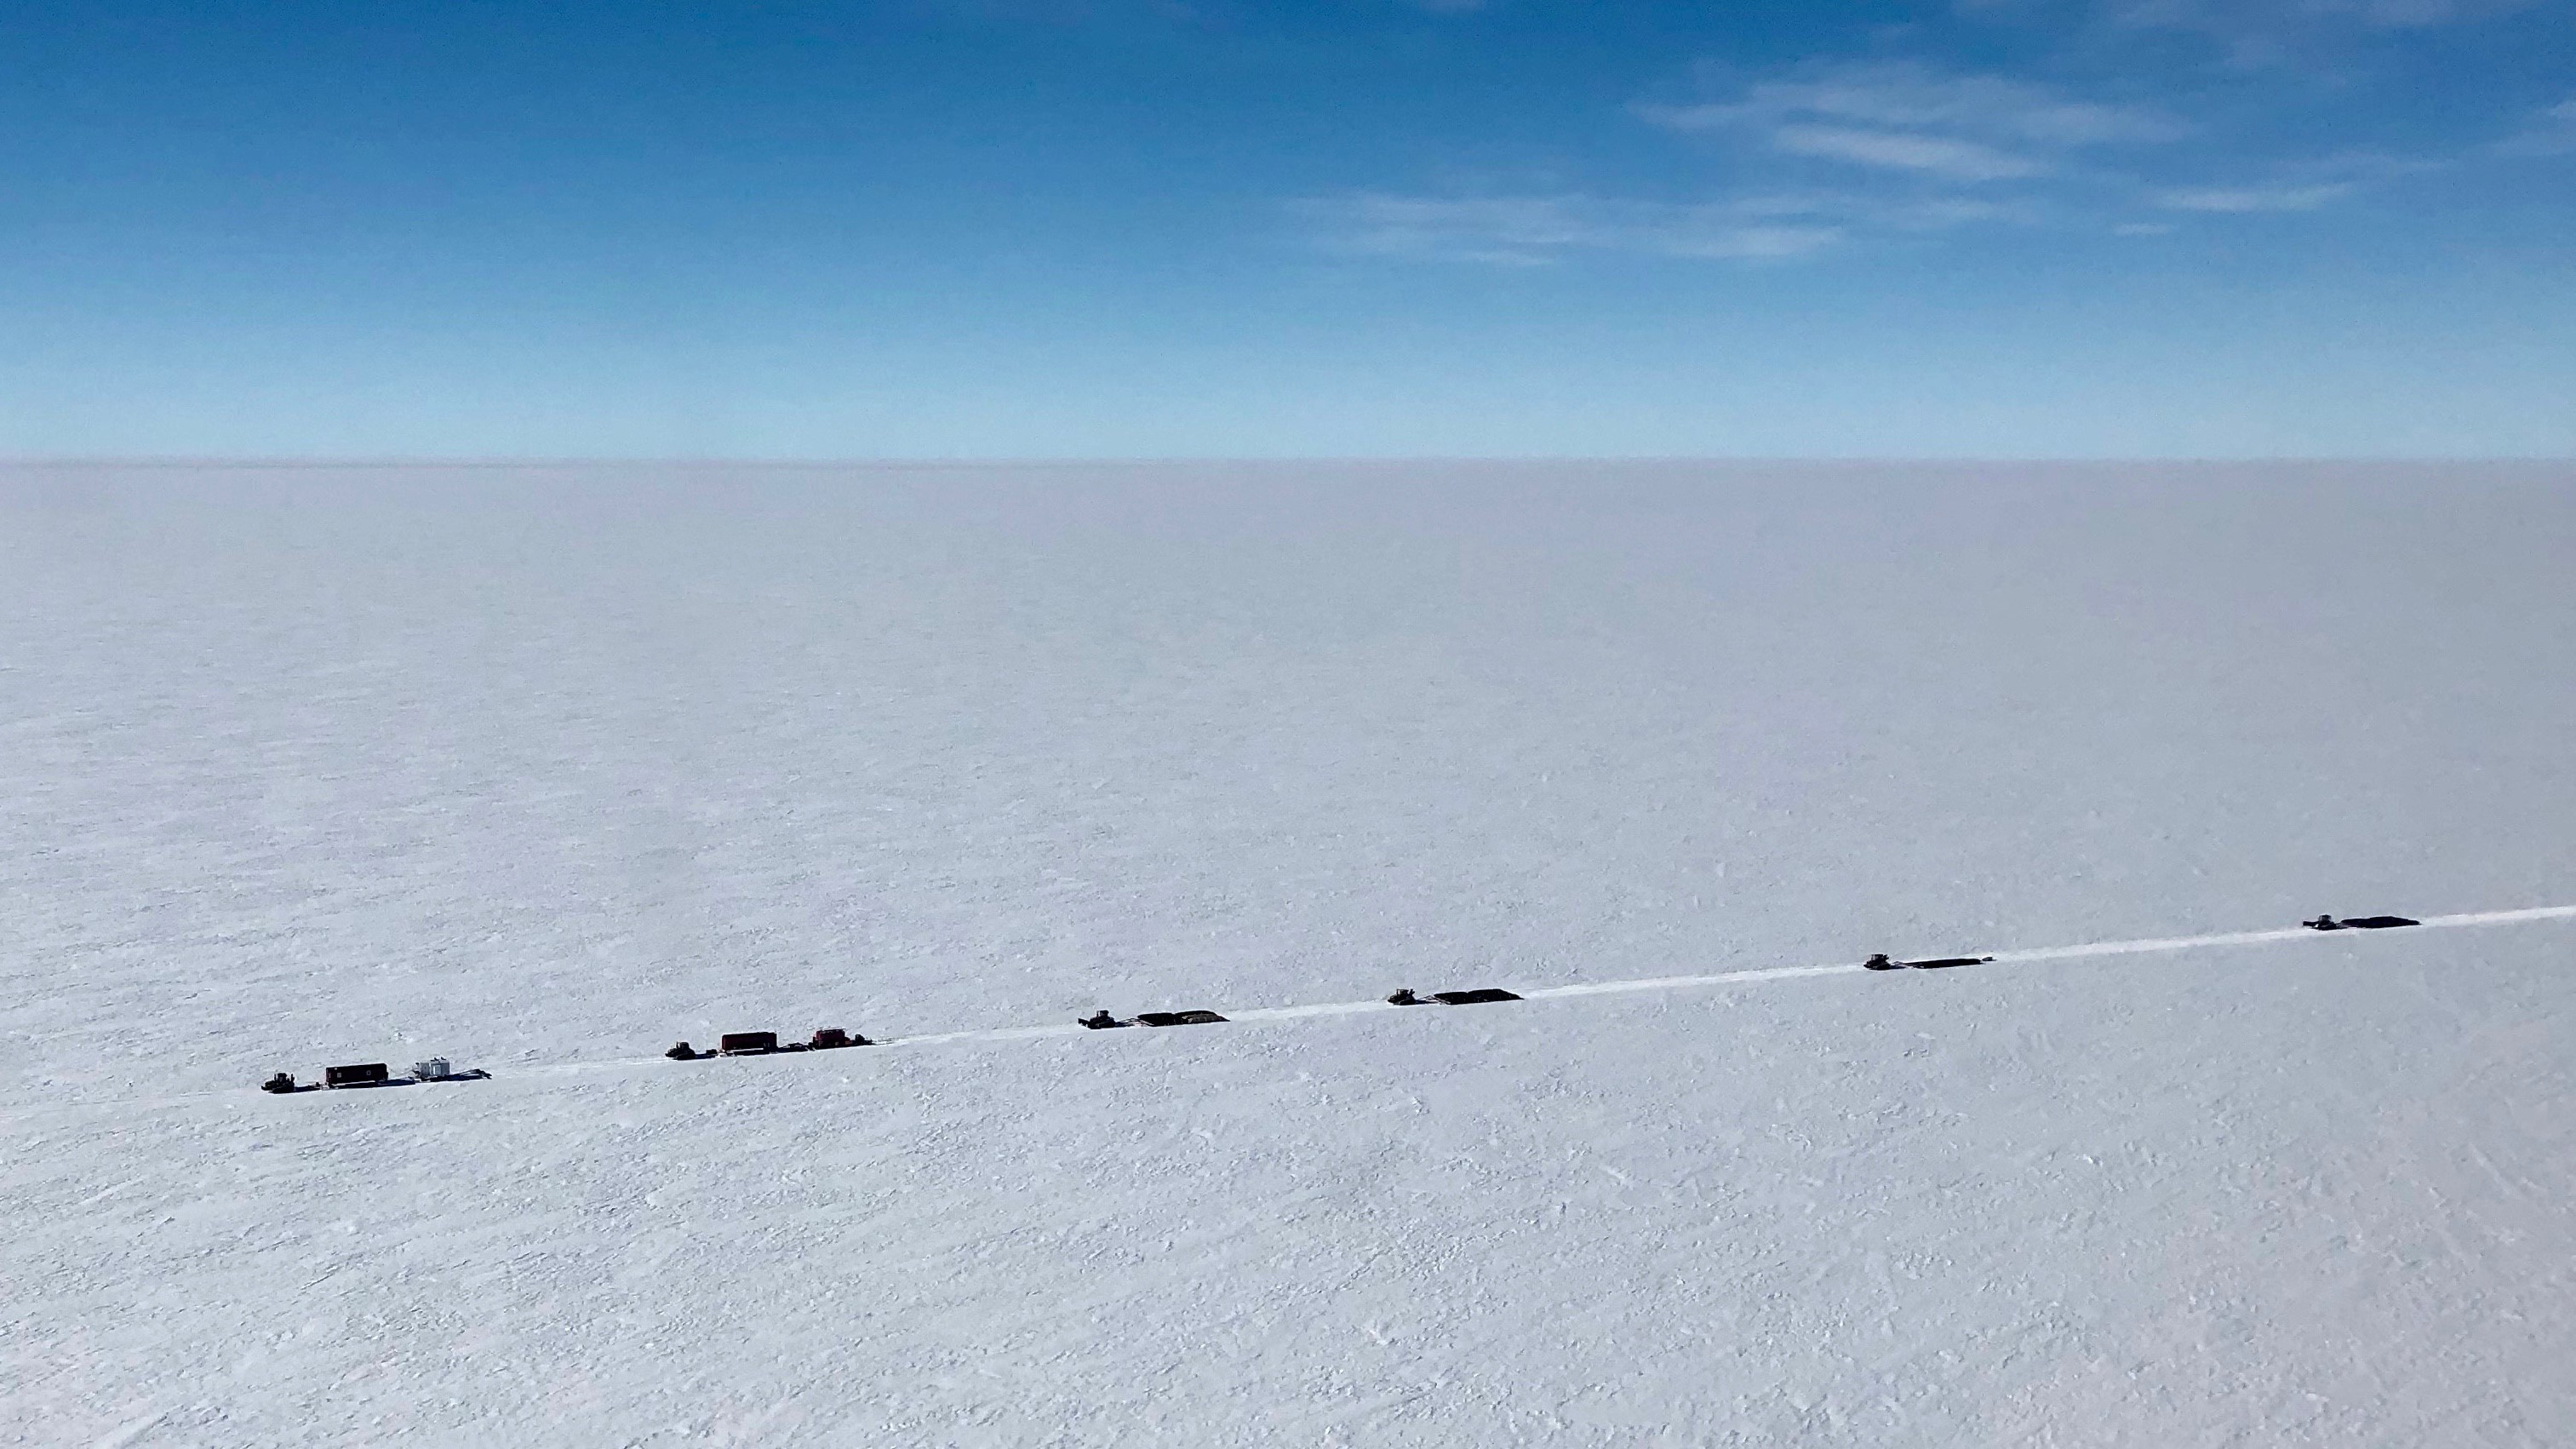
point(1787, 973)
point(2030, 956)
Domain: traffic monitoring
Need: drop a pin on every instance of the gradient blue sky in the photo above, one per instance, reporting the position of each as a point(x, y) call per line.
point(1023, 228)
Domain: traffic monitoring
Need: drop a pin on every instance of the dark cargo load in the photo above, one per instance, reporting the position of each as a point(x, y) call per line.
point(1473, 998)
point(747, 1043)
point(2359, 923)
point(1177, 1018)
point(365, 1074)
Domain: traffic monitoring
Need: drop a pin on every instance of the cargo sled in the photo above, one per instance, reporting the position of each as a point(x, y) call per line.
point(2359, 923)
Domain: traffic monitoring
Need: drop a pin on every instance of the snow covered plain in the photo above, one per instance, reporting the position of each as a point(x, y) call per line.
point(541, 770)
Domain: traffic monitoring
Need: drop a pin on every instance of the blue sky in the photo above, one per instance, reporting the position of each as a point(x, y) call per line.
point(996, 228)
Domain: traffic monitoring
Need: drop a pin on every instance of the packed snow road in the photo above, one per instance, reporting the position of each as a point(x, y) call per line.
point(2028, 955)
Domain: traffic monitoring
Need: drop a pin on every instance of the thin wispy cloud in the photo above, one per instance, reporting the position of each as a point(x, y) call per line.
point(2020, 149)
point(1914, 95)
point(2293, 187)
point(1537, 230)
point(2252, 34)
point(1544, 228)
point(1910, 116)
point(2234, 17)
point(2551, 133)
point(1945, 156)
point(1824, 154)
point(2240, 200)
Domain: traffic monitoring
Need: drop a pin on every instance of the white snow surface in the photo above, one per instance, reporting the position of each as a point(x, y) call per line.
point(541, 769)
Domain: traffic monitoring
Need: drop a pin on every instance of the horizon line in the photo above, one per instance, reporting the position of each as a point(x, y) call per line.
point(529, 461)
